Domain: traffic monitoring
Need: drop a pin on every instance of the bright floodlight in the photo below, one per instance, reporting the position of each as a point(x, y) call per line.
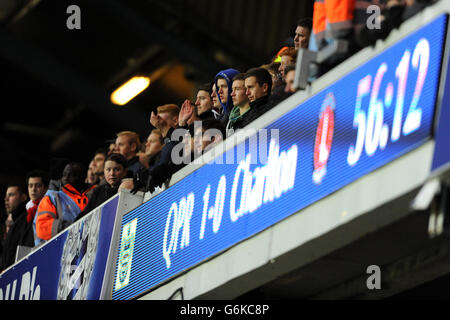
point(129, 90)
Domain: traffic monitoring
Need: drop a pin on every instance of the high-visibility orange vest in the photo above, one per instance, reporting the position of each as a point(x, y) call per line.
point(57, 210)
point(319, 22)
point(338, 14)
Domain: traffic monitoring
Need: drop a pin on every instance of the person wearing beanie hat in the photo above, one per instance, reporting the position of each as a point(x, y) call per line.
point(223, 82)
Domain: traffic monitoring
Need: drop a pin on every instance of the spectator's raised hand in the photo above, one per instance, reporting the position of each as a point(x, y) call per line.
point(153, 119)
point(185, 113)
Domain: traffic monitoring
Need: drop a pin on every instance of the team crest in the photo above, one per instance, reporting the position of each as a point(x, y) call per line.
point(324, 138)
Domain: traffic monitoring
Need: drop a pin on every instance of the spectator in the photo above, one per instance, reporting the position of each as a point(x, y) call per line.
point(57, 166)
point(91, 178)
point(278, 84)
point(277, 57)
point(149, 180)
point(37, 182)
point(58, 209)
point(240, 102)
point(99, 164)
point(114, 171)
point(216, 107)
point(189, 153)
point(166, 120)
point(153, 147)
point(290, 77)
point(277, 80)
point(222, 83)
point(258, 86)
point(15, 202)
point(288, 57)
point(111, 146)
point(207, 136)
point(203, 101)
point(303, 33)
point(128, 144)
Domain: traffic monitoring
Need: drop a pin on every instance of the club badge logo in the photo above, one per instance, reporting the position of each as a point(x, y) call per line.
point(125, 255)
point(78, 259)
point(324, 138)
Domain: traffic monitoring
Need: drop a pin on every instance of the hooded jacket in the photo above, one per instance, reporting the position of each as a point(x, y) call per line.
point(228, 75)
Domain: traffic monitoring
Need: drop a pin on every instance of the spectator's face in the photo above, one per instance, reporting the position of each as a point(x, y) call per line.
point(99, 163)
point(198, 140)
point(124, 147)
point(223, 90)
point(238, 94)
point(153, 145)
point(91, 178)
point(111, 148)
point(114, 173)
point(301, 38)
point(215, 100)
point(36, 188)
point(210, 138)
point(203, 102)
point(276, 79)
point(290, 82)
point(168, 119)
point(73, 174)
point(13, 199)
point(254, 90)
point(285, 61)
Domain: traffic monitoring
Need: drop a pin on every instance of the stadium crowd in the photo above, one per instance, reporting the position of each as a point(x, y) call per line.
point(50, 201)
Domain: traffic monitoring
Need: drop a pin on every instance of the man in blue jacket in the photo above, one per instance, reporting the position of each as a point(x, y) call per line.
point(223, 84)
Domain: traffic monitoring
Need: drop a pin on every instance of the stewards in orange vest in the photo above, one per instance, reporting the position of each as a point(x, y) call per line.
point(337, 15)
point(58, 209)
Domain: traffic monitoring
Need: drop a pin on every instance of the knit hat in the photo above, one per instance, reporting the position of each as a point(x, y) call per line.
point(228, 75)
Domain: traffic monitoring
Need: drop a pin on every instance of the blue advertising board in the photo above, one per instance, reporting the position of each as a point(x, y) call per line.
point(441, 157)
point(68, 267)
point(371, 116)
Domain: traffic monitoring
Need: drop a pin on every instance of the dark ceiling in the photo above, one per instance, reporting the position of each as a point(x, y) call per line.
point(56, 82)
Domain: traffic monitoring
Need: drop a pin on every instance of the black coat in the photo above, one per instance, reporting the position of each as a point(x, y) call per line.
point(20, 233)
point(257, 108)
point(134, 165)
point(222, 117)
point(99, 195)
